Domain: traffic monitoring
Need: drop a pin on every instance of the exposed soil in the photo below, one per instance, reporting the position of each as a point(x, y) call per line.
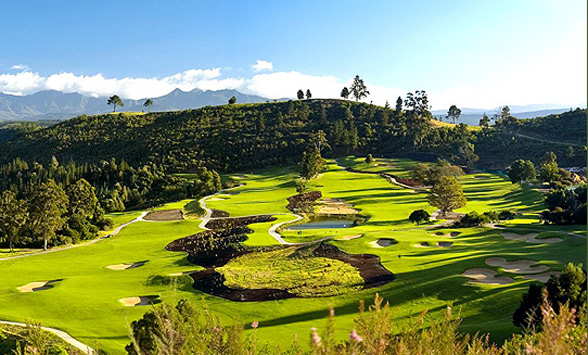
point(165, 215)
point(303, 202)
point(226, 223)
point(126, 266)
point(487, 276)
point(335, 207)
point(218, 213)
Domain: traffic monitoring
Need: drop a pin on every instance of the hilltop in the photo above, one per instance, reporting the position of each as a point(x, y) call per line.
point(245, 136)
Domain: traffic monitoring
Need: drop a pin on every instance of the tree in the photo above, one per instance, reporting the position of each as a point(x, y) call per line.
point(13, 215)
point(484, 121)
point(47, 212)
point(522, 170)
point(419, 216)
point(319, 140)
point(549, 157)
point(300, 185)
point(148, 103)
point(418, 103)
point(570, 152)
point(420, 173)
point(398, 108)
point(82, 199)
point(312, 163)
point(115, 101)
point(503, 115)
point(447, 195)
point(345, 93)
point(358, 89)
point(369, 159)
point(567, 288)
point(300, 94)
point(453, 113)
point(308, 94)
point(549, 171)
point(232, 100)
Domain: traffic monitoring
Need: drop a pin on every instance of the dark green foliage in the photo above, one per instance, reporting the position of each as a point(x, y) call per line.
point(522, 170)
point(473, 219)
point(300, 94)
point(565, 206)
point(427, 175)
point(232, 100)
point(568, 289)
point(148, 103)
point(312, 163)
point(506, 215)
point(115, 101)
point(358, 88)
point(345, 93)
point(453, 113)
point(419, 216)
point(369, 159)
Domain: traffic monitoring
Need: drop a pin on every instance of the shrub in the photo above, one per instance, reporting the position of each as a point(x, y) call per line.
point(506, 215)
point(419, 216)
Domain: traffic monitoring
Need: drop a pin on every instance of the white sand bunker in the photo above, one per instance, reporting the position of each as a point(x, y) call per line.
point(382, 243)
point(422, 245)
point(37, 286)
point(181, 273)
point(126, 266)
point(335, 206)
point(217, 199)
point(136, 301)
point(486, 276)
point(530, 238)
point(349, 237)
point(544, 277)
point(517, 266)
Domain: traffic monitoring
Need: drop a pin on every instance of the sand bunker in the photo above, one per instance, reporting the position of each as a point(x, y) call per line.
point(517, 266)
point(438, 244)
point(335, 206)
point(544, 277)
point(126, 266)
point(422, 245)
point(349, 237)
point(37, 286)
point(165, 215)
point(382, 243)
point(486, 276)
point(530, 238)
point(216, 199)
point(136, 301)
point(448, 234)
point(444, 244)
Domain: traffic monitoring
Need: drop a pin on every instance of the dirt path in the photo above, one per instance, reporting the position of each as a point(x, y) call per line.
point(546, 140)
point(114, 232)
point(272, 231)
point(63, 335)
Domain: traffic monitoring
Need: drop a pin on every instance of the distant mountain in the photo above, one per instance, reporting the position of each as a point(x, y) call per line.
point(471, 116)
point(53, 105)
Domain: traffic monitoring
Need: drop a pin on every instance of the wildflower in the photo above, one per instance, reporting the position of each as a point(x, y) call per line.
point(315, 338)
point(255, 324)
point(353, 336)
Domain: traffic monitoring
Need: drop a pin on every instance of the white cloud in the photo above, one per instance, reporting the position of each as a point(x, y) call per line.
point(19, 67)
point(262, 65)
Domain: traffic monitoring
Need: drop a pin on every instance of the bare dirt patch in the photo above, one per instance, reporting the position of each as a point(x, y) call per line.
point(530, 238)
point(543, 277)
point(383, 243)
point(335, 206)
point(165, 215)
point(517, 266)
point(37, 286)
point(349, 237)
point(139, 301)
point(236, 222)
point(126, 266)
point(486, 276)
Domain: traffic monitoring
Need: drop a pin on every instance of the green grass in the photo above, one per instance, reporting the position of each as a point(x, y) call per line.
point(85, 303)
point(292, 270)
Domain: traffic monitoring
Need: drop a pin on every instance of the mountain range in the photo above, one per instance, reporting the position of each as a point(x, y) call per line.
point(56, 105)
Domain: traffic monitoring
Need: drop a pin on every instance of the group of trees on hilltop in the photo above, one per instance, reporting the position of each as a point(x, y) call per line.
point(50, 214)
point(115, 100)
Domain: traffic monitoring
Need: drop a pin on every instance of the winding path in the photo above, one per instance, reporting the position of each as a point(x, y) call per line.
point(272, 231)
point(63, 335)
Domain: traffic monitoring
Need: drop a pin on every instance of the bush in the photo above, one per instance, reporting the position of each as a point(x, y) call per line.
point(419, 216)
point(506, 215)
point(473, 219)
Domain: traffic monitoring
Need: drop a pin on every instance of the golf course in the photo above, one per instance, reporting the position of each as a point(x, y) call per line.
point(96, 289)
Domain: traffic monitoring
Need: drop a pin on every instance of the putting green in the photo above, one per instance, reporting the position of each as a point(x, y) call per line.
point(85, 303)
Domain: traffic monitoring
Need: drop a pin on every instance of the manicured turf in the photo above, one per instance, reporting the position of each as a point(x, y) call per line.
point(85, 301)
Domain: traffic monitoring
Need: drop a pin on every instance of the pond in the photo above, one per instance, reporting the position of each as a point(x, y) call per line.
point(324, 223)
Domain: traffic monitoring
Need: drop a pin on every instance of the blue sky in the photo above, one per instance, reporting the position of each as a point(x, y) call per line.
point(471, 53)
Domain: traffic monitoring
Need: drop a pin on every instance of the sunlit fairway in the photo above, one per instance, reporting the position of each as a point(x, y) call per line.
point(85, 302)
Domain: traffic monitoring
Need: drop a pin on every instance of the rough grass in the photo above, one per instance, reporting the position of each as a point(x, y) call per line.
point(291, 270)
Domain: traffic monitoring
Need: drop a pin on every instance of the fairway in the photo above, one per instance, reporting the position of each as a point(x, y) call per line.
point(427, 261)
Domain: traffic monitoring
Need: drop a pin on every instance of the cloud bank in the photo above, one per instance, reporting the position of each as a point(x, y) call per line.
point(262, 65)
point(519, 88)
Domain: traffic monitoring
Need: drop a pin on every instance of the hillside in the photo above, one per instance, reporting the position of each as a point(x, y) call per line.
point(237, 137)
point(50, 104)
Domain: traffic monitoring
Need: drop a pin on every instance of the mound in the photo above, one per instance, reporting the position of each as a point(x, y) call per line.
point(486, 276)
point(517, 266)
point(165, 215)
point(349, 237)
point(382, 243)
point(37, 286)
point(544, 277)
point(138, 301)
point(530, 238)
point(126, 266)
